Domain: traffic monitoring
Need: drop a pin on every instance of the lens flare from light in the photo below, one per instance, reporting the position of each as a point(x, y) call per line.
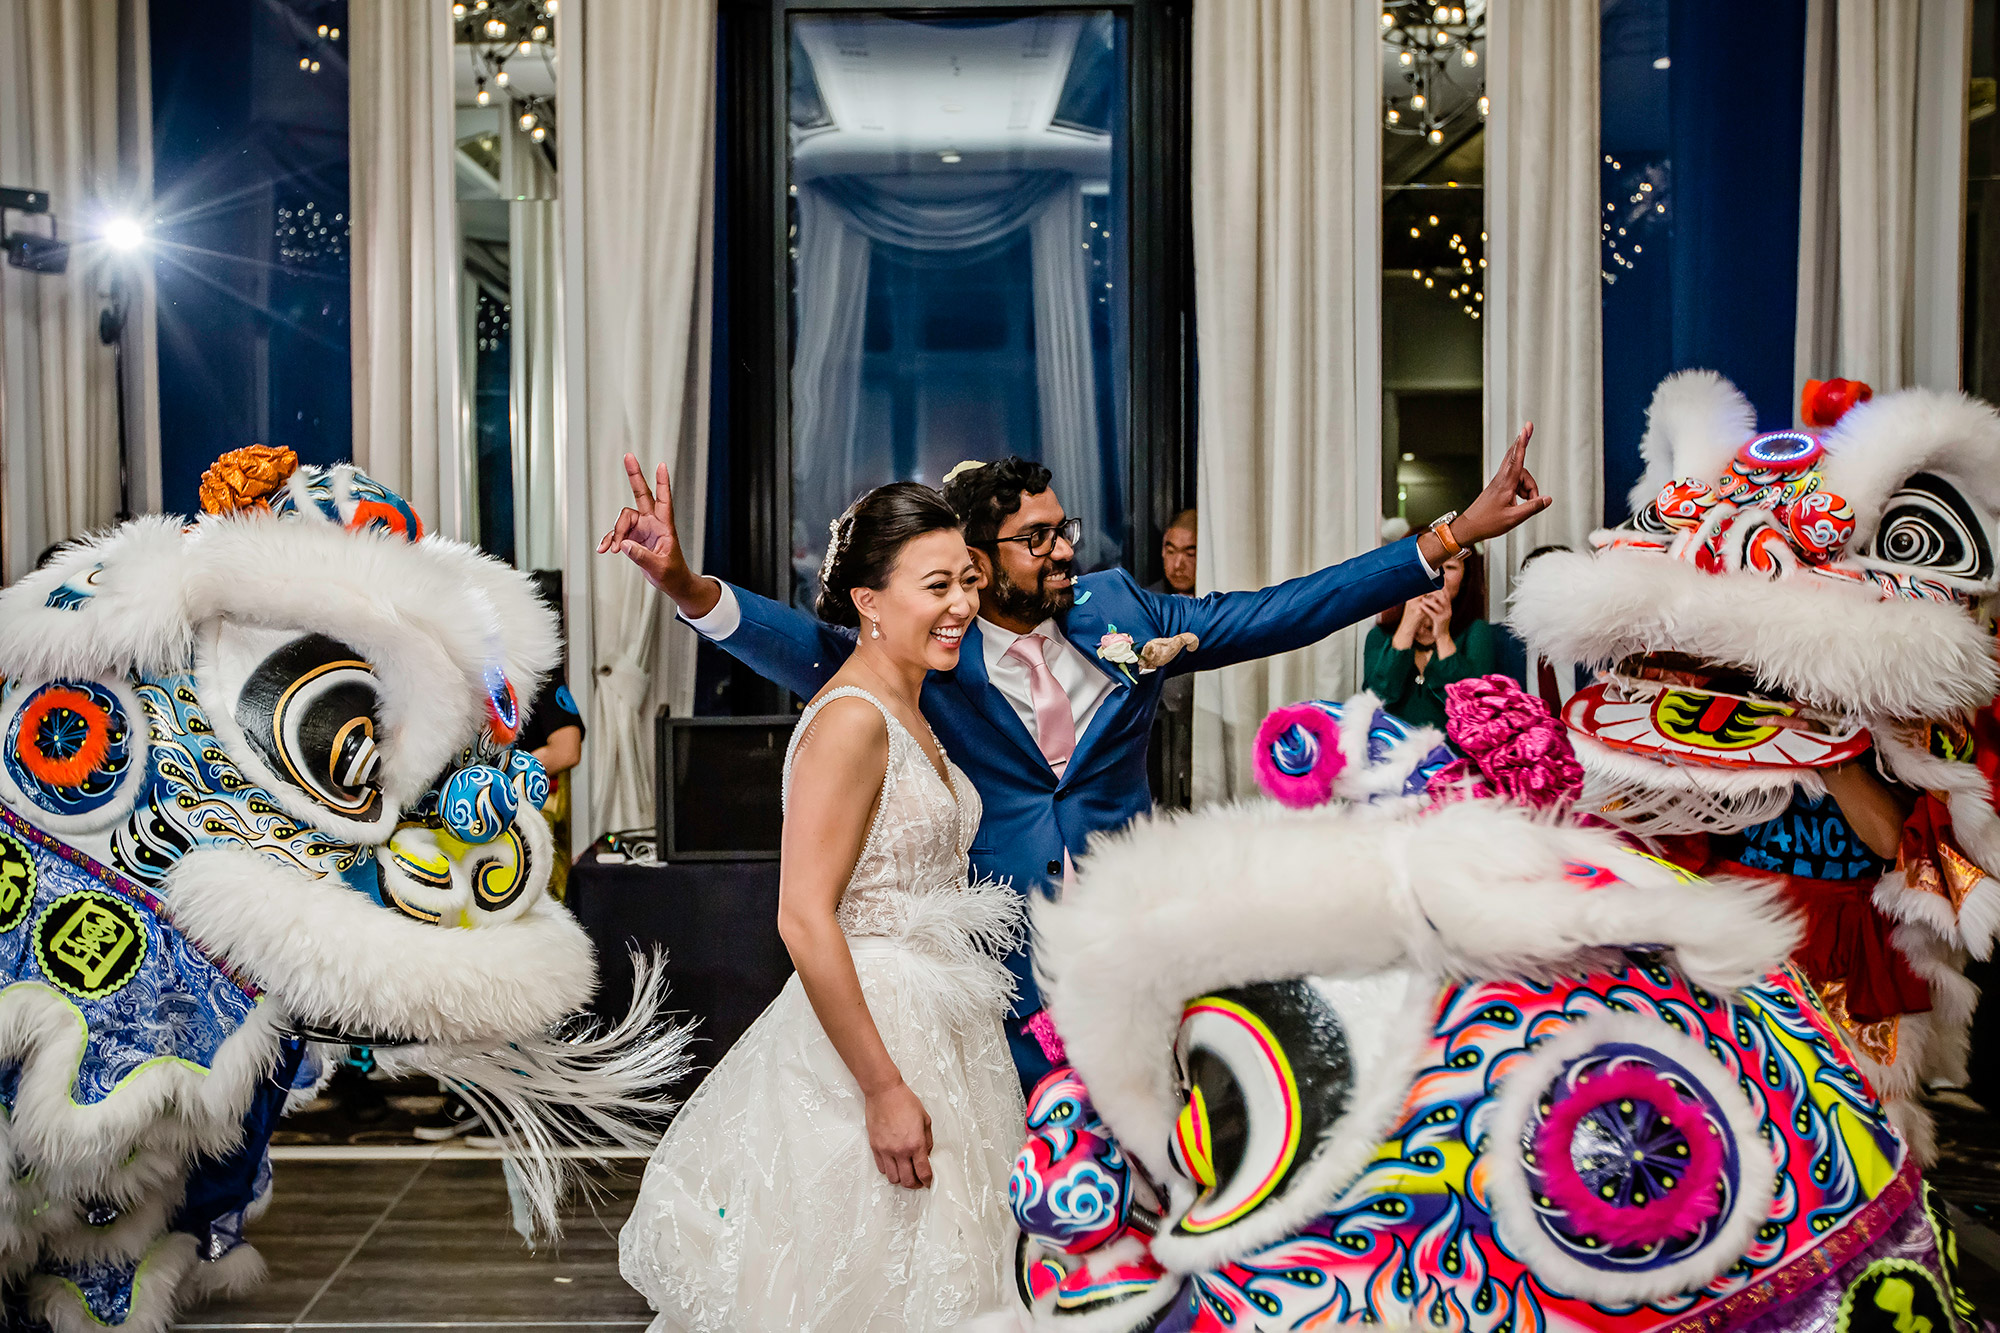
point(124, 233)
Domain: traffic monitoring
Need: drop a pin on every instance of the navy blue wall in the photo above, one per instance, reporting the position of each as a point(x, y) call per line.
point(1716, 132)
point(250, 186)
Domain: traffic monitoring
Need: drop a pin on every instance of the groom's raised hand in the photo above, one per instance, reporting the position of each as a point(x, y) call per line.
point(645, 535)
point(1509, 500)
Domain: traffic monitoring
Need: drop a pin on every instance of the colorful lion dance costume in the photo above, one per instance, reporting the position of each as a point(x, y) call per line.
point(1781, 604)
point(1429, 1055)
point(257, 793)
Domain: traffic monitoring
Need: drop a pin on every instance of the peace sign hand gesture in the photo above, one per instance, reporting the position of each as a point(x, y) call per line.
point(1510, 499)
point(645, 535)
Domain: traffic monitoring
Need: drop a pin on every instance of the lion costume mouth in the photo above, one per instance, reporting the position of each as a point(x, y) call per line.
point(1681, 709)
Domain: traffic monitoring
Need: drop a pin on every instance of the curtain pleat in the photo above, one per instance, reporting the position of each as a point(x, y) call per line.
point(404, 278)
point(1882, 178)
point(647, 168)
point(1544, 341)
point(60, 115)
point(1286, 220)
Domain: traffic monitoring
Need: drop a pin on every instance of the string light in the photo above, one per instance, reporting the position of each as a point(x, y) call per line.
point(482, 97)
point(500, 77)
point(496, 28)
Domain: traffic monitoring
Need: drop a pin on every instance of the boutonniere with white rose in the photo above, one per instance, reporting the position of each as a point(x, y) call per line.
point(1119, 650)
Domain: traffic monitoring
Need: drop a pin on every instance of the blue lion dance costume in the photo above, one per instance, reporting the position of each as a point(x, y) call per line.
point(258, 793)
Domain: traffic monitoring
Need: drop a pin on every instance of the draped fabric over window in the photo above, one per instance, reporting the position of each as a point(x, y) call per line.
point(637, 194)
point(534, 263)
point(405, 266)
point(1287, 298)
point(75, 121)
point(1881, 192)
point(934, 223)
point(1544, 337)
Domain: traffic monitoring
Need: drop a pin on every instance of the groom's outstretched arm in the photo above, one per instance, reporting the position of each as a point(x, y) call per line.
point(1239, 626)
point(1242, 626)
point(777, 642)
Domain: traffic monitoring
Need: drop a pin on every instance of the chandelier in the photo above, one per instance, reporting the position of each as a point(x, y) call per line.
point(498, 31)
point(1437, 52)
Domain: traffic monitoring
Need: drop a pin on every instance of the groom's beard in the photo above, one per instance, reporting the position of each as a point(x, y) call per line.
point(1035, 604)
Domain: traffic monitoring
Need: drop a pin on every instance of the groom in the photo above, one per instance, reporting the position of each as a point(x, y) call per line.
point(1045, 711)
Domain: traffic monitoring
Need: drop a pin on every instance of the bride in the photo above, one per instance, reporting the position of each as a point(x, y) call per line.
point(844, 1167)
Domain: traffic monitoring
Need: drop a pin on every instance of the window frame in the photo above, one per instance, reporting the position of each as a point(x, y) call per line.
point(753, 349)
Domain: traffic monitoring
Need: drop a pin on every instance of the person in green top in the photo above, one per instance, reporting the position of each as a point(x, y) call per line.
point(1418, 648)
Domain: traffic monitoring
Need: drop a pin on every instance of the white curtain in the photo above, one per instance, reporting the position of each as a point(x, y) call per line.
point(1544, 297)
point(832, 310)
point(534, 265)
point(409, 424)
point(638, 118)
point(1287, 216)
point(1064, 374)
point(1881, 192)
point(840, 218)
point(75, 121)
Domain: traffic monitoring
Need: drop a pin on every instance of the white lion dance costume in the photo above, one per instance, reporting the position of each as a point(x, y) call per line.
point(1784, 602)
point(1425, 1054)
point(256, 791)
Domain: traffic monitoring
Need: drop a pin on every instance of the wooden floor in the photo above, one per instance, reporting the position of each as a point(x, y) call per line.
point(425, 1241)
point(386, 1238)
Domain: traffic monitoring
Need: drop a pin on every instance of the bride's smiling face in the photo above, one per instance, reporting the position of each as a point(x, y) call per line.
point(931, 595)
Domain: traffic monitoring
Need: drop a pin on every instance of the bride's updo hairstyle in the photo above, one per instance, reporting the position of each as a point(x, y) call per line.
point(863, 543)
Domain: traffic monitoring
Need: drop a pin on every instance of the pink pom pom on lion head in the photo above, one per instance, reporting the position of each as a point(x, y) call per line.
point(1513, 748)
point(1298, 768)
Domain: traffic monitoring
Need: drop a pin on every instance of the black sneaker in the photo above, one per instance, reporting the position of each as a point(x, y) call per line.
point(456, 1119)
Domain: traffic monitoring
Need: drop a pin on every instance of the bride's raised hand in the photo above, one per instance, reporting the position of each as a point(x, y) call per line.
point(899, 1134)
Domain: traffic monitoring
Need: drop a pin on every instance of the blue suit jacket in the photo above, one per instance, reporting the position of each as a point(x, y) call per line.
point(1030, 817)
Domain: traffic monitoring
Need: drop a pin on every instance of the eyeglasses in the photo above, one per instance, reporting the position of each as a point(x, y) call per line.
point(1042, 540)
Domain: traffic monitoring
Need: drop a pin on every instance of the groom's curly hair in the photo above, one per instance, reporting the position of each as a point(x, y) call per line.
point(985, 496)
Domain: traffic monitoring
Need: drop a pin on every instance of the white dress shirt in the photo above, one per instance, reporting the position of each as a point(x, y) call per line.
point(1085, 685)
point(1080, 679)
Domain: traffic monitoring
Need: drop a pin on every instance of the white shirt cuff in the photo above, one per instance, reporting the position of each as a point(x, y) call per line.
point(723, 618)
point(1429, 573)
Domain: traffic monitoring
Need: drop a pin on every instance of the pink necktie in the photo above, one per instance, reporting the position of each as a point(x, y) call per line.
point(1055, 727)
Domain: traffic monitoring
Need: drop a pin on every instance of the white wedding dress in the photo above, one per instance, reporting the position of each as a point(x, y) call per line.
point(762, 1208)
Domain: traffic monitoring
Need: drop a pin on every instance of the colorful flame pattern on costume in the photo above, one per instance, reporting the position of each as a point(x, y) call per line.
point(1413, 1240)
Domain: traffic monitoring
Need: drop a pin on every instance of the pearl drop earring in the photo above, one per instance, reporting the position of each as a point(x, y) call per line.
point(876, 632)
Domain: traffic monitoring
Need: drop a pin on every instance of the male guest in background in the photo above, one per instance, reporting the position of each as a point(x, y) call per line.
point(1177, 556)
point(1052, 701)
point(1170, 759)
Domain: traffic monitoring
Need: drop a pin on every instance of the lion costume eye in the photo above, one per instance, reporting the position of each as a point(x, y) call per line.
point(1928, 525)
point(1284, 1083)
point(309, 709)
